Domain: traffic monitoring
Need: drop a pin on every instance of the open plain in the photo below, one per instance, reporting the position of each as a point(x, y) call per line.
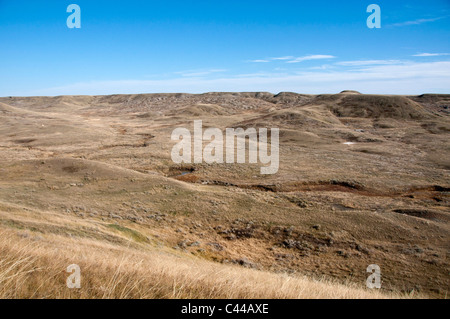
point(89, 180)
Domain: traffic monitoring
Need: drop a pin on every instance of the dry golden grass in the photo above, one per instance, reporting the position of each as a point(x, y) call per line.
point(89, 180)
point(36, 268)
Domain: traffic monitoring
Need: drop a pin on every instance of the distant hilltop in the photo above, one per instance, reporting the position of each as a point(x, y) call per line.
point(347, 103)
point(350, 92)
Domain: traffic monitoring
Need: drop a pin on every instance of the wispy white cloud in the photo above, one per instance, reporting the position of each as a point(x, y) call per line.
point(282, 58)
point(311, 57)
point(415, 22)
point(402, 78)
point(322, 67)
point(368, 62)
point(292, 59)
point(430, 54)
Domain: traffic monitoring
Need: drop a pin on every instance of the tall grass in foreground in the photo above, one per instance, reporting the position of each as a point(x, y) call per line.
point(32, 268)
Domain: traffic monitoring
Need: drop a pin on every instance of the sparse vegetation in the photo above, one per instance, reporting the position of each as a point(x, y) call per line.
point(135, 235)
point(36, 269)
point(88, 180)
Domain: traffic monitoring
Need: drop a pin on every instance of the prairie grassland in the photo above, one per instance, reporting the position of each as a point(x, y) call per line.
point(36, 268)
point(89, 180)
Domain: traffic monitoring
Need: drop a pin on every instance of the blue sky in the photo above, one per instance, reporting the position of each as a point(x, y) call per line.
point(201, 46)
